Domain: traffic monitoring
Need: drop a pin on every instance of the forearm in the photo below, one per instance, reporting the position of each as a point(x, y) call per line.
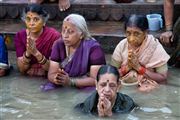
point(42, 60)
point(84, 82)
point(168, 12)
point(158, 77)
point(46, 66)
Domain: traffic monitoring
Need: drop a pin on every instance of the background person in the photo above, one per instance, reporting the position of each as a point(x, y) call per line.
point(171, 36)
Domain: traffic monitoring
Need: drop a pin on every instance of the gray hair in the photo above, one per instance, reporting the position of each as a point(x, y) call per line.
point(80, 23)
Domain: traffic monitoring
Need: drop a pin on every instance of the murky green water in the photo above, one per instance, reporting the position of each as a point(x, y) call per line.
point(22, 99)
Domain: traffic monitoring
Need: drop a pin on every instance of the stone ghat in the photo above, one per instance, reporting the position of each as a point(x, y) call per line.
point(107, 33)
point(91, 9)
point(105, 18)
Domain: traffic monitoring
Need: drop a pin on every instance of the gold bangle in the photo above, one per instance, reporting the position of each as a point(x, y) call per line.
point(25, 60)
point(43, 60)
point(24, 54)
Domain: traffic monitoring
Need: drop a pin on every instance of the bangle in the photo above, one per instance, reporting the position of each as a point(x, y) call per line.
point(72, 82)
point(25, 60)
point(43, 60)
point(24, 54)
point(142, 70)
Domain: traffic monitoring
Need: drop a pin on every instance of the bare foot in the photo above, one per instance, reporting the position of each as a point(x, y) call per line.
point(36, 1)
point(64, 5)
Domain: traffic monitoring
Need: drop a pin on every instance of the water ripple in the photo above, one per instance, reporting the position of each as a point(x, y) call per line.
point(163, 109)
point(9, 110)
point(23, 101)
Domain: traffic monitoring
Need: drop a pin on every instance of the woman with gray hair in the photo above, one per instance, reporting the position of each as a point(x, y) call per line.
point(34, 44)
point(75, 57)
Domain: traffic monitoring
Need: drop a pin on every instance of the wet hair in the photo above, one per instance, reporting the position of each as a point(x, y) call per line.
point(80, 23)
point(138, 21)
point(36, 8)
point(107, 69)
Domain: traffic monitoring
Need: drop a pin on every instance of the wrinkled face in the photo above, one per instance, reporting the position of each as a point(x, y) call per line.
point(34, 22)
point(108, 86)
point(135, 36)
point(71, 35)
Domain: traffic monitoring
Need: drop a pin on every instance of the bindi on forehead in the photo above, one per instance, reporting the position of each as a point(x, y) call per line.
point(31, 14)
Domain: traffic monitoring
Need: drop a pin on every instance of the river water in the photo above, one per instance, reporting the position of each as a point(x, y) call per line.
point(22, 99)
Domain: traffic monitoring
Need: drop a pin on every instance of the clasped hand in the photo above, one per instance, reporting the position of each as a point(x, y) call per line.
point(133, 62)
point(62, 78)
point(104, 106)
point(30, 45)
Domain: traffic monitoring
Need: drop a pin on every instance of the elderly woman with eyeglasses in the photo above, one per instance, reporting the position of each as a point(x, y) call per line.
point(33, 44)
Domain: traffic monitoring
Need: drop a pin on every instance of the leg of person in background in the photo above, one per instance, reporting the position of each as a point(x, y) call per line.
point(175, 56)
point(64, 5)
point(4, 66)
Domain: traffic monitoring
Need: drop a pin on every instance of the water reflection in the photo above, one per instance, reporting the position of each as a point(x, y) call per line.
point(21, 98)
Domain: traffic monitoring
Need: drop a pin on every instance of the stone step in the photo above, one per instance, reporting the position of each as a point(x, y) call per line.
point(108, 33)
point(105, 17)
point(99, 10)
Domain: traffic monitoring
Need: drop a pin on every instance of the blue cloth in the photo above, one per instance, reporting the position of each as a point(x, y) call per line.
point(3, 51)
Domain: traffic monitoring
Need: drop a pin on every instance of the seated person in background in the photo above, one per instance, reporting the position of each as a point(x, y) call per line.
point(107, 100)
point(75, 57)
point(140, 56)
point(63, 4)
point(34, 44)
point(4, 66)
point(171, 37)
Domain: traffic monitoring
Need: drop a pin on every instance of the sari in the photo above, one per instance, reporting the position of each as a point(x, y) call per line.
point(88, 53)
point(44, 45)
point(3, 55)
point(150, 54)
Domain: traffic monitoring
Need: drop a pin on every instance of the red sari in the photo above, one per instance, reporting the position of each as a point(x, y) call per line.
point(44, 45)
